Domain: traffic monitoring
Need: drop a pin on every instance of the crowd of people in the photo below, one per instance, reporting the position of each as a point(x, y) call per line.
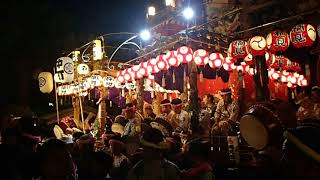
point(163, 147)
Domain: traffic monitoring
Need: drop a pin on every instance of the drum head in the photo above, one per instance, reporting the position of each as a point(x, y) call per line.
point(254, 132)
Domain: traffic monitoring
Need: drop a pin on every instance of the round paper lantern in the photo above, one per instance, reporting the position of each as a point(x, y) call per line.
point(127, 75)
point(75, 88)
point(45, 82)
point(303, 35)
point(251, 71)
point(152, 65)
point(184, 54)
point(228, 63)
point(290, 85)
point(162, 63)
point(172, 59)
point(201, 57)
point(64, 70)
point(270, 72)
point(292, 79)
point(284, 76)
point(120, 76)
point(96, 81)
point(131, 85)
point(143, 71)
point(84, 86)
point(279, 62)
point(108, 81)
point(257, 46)
point(83, 69)
point(216, 60)
point(238, 49)
point(302, 82)
point(278, 41)
point(135, 68)
point(275, 75)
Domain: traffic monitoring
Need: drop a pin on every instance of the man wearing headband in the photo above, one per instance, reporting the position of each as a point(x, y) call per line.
point(227, 109)
point(178, 118)
point(165, 108)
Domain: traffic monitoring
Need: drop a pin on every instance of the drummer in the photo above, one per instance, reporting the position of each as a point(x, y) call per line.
point(227, 108)
point(178, 118)
point(165, 108)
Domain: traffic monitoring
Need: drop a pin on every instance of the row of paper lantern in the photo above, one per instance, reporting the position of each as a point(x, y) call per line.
point(302, 35)
point(292, 79)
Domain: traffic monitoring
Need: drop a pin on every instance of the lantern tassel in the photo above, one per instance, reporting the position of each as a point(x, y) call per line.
point(152, 94)
point(163, 81)
point(307, 68)
point(276, 87)
point(292, 95)
point(165, 96)
point(110, 103)
point(173, 78)
point(243, 84)
point(122, 92)
point(184, 74)
point(201, 76)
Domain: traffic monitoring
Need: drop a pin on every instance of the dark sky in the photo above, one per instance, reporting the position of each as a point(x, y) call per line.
point(36, 32)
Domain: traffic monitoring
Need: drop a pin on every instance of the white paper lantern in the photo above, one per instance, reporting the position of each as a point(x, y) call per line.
point(96, 81)
point(75, 56)
point(97, 50)
point(131, 85)
point(45, 82)
point(83, 69)
point(108, 81)
point(64, 70)
point(84, 86)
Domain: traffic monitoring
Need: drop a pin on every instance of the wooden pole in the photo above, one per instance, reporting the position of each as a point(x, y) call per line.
point(140, 100)
point(194, 104)
point(56, 95)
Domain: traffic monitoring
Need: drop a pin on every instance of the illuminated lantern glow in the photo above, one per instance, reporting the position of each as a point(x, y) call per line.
point(270, 72)
point(83, 69)
point(275, 75)
point(270, 58)
point(251, 71)
point(257, 46)
point(143, 71)
point(162, 63)
point(151, 11)
point(233, 66)
point(64, 70)
point(249, 59)
point(279, 62)
point(127, 75)
point(302, 82)
point(75, 56)
point(97, 50)
point(227, 64)
point(136, 68)
point(184, 54)
point(290, 85)
point(96, 81)
point(172, 59)
point(152, 65)
point(131, 85)
point(108, 81)
point(238, 49)
point(75, 88)
point(171, 3)
point(45, 82)
point(284, 76)
point(303, 35)
point(216, 60)
point(201, 57)
point(84, 86)
point(278, 41)
point(292, 79)
point(83, 94)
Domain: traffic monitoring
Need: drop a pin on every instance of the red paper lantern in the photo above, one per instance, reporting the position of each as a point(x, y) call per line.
point(152, 66)
point(184, 54)
point(302, 81)
point(279, 62)
point(257, 46)
point(275, 75)
point(238, 49)
point(284, 76)
point(135, 68)
point(201, 57)
point(162, 63)
point(228, 63)
point(278, 41)
point(172, 59)
point(292, 78)
point(128, 75)
point(303, 35)
point(120, 76)
point(241, 67)
point(216, 60)
point(290, 85)
point(143, 71)
point(291, 66)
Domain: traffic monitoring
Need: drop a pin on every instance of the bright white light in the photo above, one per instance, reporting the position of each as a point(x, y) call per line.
point(151, 11)
point(188, 13)
point(145, 35)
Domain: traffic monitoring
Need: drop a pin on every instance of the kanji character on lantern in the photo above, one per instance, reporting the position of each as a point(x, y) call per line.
point(303, 35)
point(184, 54)
point(257, 46)
point(238, 49)
point(278, 41)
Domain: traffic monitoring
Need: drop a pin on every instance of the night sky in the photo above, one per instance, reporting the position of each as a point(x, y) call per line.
point(37, 32)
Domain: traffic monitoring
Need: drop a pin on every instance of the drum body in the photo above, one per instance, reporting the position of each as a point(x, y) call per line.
point(264, 123)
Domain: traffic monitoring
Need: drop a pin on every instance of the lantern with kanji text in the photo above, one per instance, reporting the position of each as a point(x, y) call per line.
point(303, 35)
point(64, 70)
point(278, 41)
point(238, 49)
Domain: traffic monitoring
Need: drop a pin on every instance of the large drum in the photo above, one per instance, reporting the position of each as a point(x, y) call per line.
point(264, 123)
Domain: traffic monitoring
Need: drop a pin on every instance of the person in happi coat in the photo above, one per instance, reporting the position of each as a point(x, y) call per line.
point(179, 119)
point(165, 108)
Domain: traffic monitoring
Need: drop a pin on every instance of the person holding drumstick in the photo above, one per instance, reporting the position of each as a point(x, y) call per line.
point(227, 109)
